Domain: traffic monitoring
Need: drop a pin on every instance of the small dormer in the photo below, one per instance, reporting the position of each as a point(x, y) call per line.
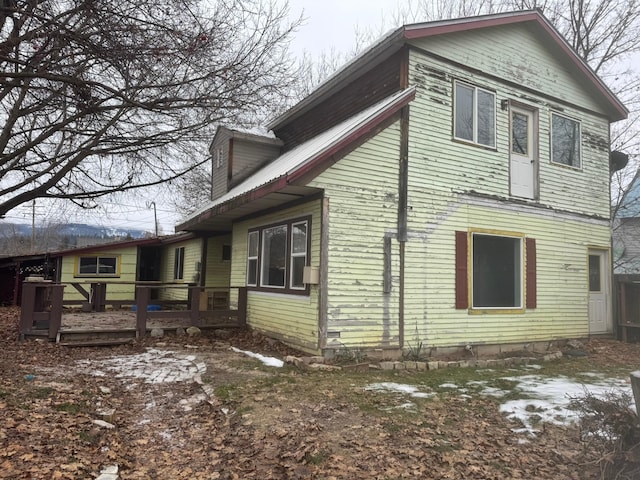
point(237, 154)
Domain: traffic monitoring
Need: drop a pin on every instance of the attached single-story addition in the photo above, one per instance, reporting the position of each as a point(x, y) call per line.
point(447, 188)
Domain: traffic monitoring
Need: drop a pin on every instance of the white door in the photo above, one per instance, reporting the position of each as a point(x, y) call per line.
point(523, 149)
point(599, 294)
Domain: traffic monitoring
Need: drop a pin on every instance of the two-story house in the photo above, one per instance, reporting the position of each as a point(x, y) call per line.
point(448, 187)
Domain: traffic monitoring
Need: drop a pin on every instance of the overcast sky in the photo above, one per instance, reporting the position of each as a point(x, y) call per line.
point(332, 23)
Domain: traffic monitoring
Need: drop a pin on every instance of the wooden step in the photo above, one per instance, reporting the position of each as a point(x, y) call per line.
point(97, 343)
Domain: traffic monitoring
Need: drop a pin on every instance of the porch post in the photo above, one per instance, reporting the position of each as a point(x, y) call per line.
point(27, 308)
point(242, 306)
point(142, 300)
point(194, 305)
point(55, 315)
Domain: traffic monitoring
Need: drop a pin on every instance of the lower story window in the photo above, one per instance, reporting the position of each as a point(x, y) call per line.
point(277, 255)
point(497, 271)
point(97, 265)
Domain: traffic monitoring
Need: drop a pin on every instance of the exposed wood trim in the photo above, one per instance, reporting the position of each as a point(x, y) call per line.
point(401, 296)
point(323, 301)
point(230, 162)
point(386, 272)
point(462, 280)
point(404, 68)
point(403, 175)
point(531, 288)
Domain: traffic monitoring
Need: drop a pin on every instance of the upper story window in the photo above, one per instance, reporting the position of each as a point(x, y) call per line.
point(96, 265)
point(474, 114)
point(565, 141)
point(277, 255)
point(178, 264)
point(219, 157)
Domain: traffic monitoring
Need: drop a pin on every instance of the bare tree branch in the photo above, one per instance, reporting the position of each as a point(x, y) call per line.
point(99, 96)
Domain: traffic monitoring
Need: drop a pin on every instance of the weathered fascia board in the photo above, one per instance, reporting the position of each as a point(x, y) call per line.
point(509, 204)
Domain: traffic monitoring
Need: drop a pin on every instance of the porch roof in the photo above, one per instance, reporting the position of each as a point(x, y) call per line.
point(283, 180)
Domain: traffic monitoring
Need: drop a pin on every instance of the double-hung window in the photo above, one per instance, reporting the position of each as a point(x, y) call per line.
point(474, 116)
point(277, 255)
point(565, 141)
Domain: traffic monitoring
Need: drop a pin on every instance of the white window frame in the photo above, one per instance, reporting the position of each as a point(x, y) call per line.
point(297, 254)
point(219, 155)
point(520, 274)
point(475, 89)
point(264, 256)
point(254, 257)
point(578, 143)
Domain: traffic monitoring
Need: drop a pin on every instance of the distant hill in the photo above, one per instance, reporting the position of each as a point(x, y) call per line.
point(74, 230)
point(15, 238)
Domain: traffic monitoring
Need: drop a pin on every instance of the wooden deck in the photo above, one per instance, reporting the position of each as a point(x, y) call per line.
point(43, 315)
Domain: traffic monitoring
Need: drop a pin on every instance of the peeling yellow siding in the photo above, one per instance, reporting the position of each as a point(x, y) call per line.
point(362, 189)
point(449, 166)
point(218, 271)
point(292, 318)
point(562, 289)
point(441, 171)
point(192, 259)
point(117, 288)
point(515, 54)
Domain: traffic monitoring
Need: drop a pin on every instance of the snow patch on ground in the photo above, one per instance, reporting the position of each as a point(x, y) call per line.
point(543, 399)
point(412, 390)
point(268, 361)
point(547, 399)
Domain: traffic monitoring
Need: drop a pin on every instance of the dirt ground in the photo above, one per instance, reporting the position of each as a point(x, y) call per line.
point(217, 414)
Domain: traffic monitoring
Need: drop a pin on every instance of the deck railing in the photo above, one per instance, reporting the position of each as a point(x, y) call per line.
point(198, 316)
point(42, 305)
point(41, 309)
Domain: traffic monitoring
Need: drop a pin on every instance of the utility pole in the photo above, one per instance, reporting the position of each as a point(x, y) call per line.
point(155, 216)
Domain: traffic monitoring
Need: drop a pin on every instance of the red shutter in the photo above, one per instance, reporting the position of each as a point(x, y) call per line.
point(462, 281)
point(532, 293)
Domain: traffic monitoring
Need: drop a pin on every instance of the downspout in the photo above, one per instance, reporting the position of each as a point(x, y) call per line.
point(402, 213)
point(403, 186)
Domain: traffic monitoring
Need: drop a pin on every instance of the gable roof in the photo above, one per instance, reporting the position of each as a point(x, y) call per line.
point(256, 135)
point(282, 180)
point(393, 41)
